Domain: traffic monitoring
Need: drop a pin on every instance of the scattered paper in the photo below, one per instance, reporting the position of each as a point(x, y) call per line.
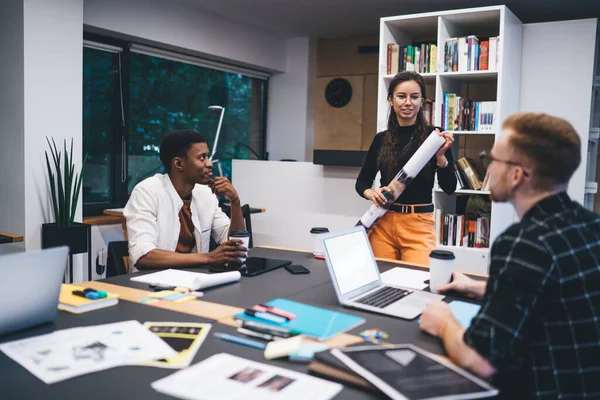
point(184, 338)
point(227, 377)
point(406, 277)
point(191, 280)
point(73, 352)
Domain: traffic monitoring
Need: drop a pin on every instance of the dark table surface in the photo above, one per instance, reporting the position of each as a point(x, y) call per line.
point(134, 382)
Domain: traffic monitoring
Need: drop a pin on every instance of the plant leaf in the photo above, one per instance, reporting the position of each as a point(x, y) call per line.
point(52, 186)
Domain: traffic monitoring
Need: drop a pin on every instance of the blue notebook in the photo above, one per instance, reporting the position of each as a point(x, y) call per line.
point(315, 322)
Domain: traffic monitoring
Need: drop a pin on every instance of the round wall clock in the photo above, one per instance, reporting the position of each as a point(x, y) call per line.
point(338, 92)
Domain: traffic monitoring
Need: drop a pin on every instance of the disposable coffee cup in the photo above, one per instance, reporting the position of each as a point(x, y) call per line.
point(441, 263)
point(316, 239)
point(244, 236)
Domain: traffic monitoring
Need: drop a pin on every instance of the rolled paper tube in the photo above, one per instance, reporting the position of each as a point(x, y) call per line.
point(403, 178)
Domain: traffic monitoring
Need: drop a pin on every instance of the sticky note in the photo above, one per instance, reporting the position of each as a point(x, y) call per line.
point(162, 294)
point(282, 348)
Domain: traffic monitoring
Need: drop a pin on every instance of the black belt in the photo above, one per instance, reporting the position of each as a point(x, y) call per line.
point(409, 209)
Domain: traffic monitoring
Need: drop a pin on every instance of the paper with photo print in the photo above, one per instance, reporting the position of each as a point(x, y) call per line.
point(78, 351)
point(227, 377)
point(183, 337)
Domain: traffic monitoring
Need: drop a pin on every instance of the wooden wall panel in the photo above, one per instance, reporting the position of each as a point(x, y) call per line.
point(339, 128)
point(341, 56)
point(369, 122)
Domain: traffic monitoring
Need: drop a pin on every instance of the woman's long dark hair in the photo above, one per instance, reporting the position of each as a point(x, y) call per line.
point(389, 157)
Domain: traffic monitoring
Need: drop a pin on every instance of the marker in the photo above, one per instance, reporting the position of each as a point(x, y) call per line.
point(268, 329)
point(277, 311)
point(240, 340)
point(89, 295)
point(266, 316)
point(264, 336)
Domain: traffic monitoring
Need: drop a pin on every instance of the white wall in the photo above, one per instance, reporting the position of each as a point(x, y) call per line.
point(177, 24)
point(12, 180)
point(556, 78)
point(297, 196)
point(44, 81)
point(291, 104)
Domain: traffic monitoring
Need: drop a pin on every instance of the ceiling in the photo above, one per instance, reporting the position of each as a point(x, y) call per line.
point(346, 18)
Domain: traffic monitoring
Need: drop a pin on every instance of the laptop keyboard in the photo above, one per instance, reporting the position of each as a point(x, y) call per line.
point(384, 297)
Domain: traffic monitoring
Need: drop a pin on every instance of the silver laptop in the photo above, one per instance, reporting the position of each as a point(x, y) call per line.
point(30, 281)
point(356, 279)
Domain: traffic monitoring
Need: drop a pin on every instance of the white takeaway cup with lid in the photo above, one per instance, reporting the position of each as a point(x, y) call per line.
point(441, 264)
point(317, 246)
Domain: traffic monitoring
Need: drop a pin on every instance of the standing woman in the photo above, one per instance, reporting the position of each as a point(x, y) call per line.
point(407, 231)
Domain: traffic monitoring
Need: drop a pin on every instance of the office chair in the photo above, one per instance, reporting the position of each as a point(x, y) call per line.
point(247, 221)
point(117, 260)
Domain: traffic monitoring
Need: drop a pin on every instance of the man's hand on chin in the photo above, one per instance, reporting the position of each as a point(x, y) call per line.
point(221, 186)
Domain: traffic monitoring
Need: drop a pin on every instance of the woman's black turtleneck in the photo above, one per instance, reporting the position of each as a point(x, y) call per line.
point(420, 189)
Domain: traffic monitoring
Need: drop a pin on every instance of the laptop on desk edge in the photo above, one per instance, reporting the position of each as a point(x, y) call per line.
point(29, 287)
point(356, 280)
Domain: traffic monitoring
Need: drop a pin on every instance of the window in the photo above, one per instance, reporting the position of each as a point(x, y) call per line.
point(132, 98)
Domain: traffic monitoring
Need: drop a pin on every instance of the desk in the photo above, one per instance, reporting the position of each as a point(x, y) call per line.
point(134, 382)
point(6, 237)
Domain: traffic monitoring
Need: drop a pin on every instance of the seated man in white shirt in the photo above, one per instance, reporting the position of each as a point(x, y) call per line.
point(171, 217)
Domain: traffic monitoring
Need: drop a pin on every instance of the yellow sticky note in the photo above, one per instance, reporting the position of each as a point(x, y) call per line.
point(162, 294)
point(282, 348)
point(184, 299)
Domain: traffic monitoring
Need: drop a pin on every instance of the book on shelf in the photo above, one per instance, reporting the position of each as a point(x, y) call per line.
point(462, 114)
point(429, 112)
point(460, 180)
point(463, 231)
point(420, 58)
point(470, 174)
point(468, 53)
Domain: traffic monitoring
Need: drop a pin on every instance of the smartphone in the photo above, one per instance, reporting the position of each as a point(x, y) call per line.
point(297, 269)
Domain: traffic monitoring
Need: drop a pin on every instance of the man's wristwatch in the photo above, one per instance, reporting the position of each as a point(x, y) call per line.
point(445, 165)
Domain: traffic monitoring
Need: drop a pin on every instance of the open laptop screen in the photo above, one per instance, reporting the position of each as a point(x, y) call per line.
point(351, 260)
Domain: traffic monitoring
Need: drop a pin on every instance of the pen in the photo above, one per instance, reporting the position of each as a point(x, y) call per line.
point(240, 340)
point(266, 316)
point(264, 336)
point(277, 311)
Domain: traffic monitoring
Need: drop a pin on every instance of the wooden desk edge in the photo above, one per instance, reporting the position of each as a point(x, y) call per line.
point(399, 262)
point(114, 213)
point(15, 237)
point(104, 220)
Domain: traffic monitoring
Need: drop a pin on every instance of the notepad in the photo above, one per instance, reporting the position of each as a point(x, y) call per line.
point(191, 280)
point(464, 312)
point(406, 277)
point(67, 301)
point(315, 322)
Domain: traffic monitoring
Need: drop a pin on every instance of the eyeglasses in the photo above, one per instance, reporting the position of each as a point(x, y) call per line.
point(489, 159)
point(401, 99)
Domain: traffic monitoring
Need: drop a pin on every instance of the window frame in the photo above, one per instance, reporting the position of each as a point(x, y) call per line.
point(121, 117)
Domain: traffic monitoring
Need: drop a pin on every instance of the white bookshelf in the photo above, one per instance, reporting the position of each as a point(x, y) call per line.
point(591, 184)
point(497, 85)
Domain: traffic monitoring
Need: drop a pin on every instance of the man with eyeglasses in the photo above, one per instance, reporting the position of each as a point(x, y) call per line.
point(538, 330)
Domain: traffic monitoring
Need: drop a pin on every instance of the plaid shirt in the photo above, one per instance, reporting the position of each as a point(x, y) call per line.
point(540, 318)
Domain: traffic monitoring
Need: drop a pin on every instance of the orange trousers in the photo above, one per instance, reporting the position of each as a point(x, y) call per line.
point(406, 237)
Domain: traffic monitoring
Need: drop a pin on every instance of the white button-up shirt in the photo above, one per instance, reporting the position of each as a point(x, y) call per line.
point(152, 215)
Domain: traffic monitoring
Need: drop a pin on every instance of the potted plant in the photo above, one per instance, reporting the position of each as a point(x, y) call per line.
point(65, 186)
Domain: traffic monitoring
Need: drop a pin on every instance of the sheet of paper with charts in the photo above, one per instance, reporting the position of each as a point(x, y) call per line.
point(73, 352)
point(227, 377)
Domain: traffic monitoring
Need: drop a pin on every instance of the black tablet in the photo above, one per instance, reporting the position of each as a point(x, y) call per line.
point(256, 266)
